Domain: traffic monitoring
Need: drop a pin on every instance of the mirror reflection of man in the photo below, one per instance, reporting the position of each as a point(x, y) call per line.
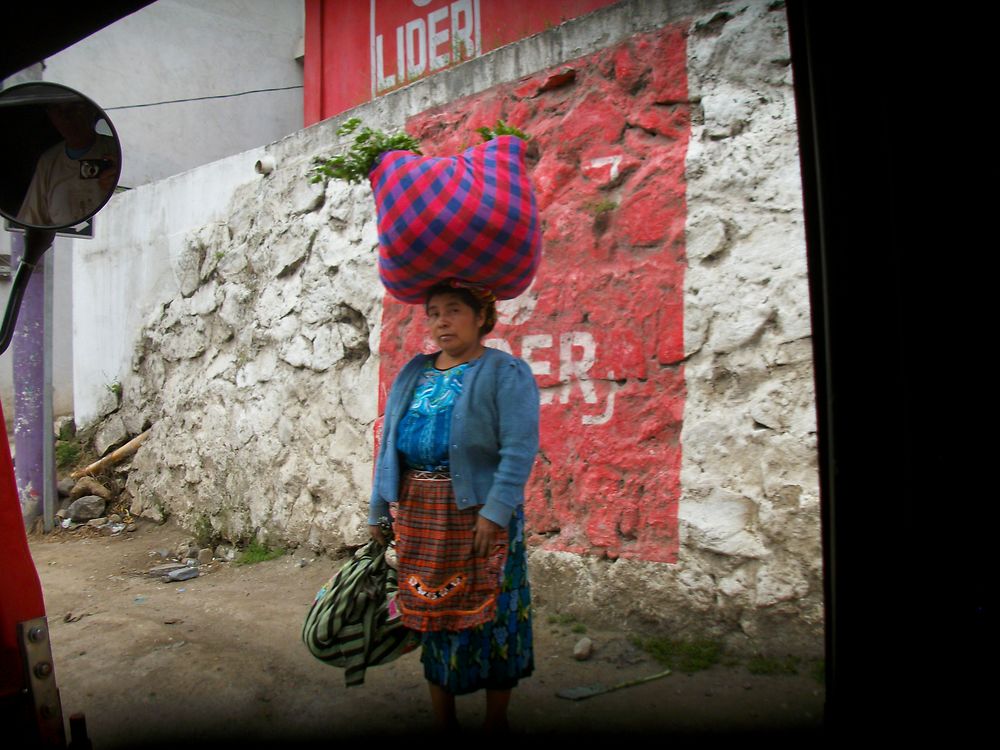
point(73, 177)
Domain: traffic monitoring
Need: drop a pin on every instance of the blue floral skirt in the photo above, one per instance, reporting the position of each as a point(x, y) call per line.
point(494, 655)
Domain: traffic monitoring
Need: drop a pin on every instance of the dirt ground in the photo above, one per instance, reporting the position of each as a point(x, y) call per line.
point(218, 661)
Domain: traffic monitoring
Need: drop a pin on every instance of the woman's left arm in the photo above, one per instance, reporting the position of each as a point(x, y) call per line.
point(517, 409)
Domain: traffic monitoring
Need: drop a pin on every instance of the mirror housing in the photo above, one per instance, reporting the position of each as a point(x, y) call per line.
point(66, 159)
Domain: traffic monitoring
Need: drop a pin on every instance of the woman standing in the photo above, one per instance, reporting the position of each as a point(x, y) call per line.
point(458, 442)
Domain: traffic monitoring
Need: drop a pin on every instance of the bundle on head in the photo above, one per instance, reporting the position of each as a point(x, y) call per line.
point(472, 216)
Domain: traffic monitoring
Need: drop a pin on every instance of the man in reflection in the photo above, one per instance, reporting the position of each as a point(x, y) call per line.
point(73, 177)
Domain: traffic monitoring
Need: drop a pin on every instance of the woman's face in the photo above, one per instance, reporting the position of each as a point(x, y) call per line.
point(454, 325)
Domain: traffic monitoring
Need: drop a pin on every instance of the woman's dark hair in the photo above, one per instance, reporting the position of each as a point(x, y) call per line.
point(478, 303)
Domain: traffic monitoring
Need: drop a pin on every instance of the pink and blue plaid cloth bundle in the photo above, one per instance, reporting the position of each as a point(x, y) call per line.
point(471, 217)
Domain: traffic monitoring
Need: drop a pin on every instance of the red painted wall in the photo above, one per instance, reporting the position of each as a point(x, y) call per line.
point(605, 336)
point(359, 49)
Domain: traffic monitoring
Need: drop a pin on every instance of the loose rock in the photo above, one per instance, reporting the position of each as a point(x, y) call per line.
point(181, 574)
point(111, 433)
point(160, 570)
point(86, 508)
point(583, 649)
point(205, 556)
point(89, 486)
point(97, 522)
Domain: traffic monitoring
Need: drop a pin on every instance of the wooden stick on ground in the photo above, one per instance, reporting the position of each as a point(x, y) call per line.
point(112, 458)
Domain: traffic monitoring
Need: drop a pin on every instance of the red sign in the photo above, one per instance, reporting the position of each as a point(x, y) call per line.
point(411, 40)
point(357, 50)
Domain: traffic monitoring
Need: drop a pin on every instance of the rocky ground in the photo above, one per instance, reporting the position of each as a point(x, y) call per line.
point(217, 660)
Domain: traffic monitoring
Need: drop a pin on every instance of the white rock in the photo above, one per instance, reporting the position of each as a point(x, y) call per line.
point(187, 268)
point(297, 352)
point(737, 584)
point(780, 582)
point(234, 304)
point(233, 262)
point(737, 323)
point(107, 402)
point(727, 112)
point(259, 370)
point(359, 389)
point(112, 433)
point(328, 346)
point(721, 523)
point(583, 649)
point(154, 513)
point(706, 236)
point(188, 342)
point(205, 300)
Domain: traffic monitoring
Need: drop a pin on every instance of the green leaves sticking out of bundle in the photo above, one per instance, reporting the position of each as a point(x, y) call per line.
point(501, 128)
point(356, 163)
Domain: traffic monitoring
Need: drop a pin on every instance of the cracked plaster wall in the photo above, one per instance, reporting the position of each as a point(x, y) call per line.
point(750, 507)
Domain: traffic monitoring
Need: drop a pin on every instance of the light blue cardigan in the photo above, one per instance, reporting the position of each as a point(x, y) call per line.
point(494, 436)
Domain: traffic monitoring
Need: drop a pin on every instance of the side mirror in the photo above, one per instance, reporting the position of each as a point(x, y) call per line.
point(64, 156)
point(62, 165)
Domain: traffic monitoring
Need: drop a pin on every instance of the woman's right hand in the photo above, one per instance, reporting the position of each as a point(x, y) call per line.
point(377, 534)
point(484, 536)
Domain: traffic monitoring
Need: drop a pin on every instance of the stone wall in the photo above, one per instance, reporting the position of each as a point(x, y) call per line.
point(750, 505)
point(258, 377)
point(678, 207)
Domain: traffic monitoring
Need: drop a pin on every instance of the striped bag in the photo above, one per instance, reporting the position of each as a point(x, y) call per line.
point(471, 217)
point(350, 625)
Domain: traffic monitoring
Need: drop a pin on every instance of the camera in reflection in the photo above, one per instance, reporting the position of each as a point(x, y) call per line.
point(90, 169)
